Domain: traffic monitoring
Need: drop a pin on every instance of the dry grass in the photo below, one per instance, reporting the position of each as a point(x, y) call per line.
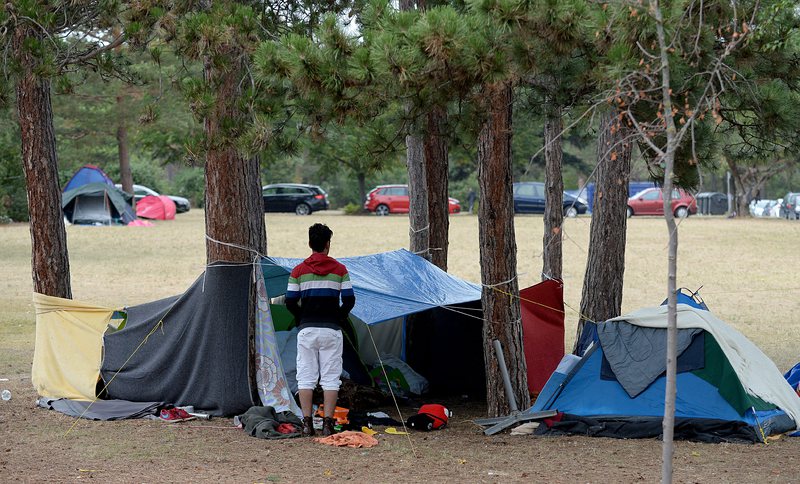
point(748, 269)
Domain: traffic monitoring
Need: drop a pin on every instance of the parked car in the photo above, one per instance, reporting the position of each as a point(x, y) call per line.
point(386, 199)
point(789, 208)
point(294, 197)
point(649, 202)
point(529, 197)
point(761, 208)
point(182, 205)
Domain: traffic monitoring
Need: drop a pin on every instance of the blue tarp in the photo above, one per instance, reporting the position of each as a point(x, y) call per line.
point(387, 285)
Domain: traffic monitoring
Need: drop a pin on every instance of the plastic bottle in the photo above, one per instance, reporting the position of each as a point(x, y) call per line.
point(6, 395)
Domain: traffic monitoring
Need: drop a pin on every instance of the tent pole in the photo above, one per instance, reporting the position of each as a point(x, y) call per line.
point(498, 424)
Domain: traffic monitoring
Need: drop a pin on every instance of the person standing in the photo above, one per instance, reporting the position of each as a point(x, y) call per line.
point(313, 296)
point(471, 196)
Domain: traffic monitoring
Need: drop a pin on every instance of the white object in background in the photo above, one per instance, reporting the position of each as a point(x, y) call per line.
point(6, 394)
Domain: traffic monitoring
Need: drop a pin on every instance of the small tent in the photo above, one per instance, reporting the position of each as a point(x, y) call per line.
point(97, 204)
point(156, 207)
point(85, 175)
point(727, 389)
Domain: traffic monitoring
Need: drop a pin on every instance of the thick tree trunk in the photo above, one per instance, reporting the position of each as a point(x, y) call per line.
point(417, 196)
point(498, 253)
point(419, 230)
point(234, 207)
point(126, 177)
point(554, 195)
point(436, 179)
point(49, 255)
point(234, 210)
point(605, 267)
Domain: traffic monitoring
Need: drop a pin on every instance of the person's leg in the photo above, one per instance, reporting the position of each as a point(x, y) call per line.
point(330, 359)
point(306, 401)
point(307, 374)
point(329, 401)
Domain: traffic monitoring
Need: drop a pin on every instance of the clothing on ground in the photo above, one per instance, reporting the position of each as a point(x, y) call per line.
point(349, 438)
point(266, 423)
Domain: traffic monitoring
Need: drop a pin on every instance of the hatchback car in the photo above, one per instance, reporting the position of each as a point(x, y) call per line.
point(650, 202)
point(140, 191)
point(294, 197)
point(386, 199)
point(529, 197)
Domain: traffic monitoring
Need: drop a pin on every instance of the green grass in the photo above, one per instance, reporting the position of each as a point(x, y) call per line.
point(748, 268)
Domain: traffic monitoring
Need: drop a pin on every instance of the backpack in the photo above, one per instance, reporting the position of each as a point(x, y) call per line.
point(431, 416)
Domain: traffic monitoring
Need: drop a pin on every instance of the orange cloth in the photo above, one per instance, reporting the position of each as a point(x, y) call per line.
point(349, 438)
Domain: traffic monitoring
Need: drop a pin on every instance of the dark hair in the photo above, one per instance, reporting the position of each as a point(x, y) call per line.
point(318, 236)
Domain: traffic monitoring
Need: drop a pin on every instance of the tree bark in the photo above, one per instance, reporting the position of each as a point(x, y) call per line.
point(419, 230)
point(49, 255)
point(436, 179)
point(498, 253)
point(605, 267)
point(554, 195)
point(234, 207)
point(417, 196)
point(125, 174)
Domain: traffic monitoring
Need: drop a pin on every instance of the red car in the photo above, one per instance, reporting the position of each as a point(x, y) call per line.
point(650, 202)
point(387, 199)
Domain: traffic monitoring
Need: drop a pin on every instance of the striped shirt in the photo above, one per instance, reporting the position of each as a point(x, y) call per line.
point(314, 291)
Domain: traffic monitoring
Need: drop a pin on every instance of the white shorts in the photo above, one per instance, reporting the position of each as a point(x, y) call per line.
point(319, 358)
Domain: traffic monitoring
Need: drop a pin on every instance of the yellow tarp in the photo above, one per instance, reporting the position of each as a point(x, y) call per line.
point(69, 347)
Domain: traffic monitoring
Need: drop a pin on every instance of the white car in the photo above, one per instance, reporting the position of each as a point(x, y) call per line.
point(140, 191)
point(761, 208)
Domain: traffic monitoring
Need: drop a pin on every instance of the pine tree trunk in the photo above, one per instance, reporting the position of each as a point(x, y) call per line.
point(605, 266)
point(498, 253)
point(234, 210)
point(234, 207)
point(417, 196)
point(49, 255)
point(554, 195)
point(125, 175)
point(436, 178)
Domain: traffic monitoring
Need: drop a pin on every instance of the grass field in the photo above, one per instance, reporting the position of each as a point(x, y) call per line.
point(748, 269)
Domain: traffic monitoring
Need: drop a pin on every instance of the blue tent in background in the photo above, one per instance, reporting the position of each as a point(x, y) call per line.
point(85, 175)
point(728, 390)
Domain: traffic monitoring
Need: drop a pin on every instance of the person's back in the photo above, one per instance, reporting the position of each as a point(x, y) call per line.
point(312, 296)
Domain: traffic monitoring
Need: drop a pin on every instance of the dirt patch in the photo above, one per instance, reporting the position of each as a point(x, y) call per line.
point(39, 445)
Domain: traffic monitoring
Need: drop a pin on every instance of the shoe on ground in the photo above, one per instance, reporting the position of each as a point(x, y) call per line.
point(327, 426)
point(308, 427)
point(175, 415)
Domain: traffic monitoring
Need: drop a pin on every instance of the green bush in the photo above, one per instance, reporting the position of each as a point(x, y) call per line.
point(353, 209)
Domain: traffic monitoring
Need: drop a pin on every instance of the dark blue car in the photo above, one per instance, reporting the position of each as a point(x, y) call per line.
point(529, 198)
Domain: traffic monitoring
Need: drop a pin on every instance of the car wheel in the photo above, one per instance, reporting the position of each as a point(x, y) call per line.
point(630, 212)
point(681, 212)
point(302, 209)
point(572, 212)
point(382, 210)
